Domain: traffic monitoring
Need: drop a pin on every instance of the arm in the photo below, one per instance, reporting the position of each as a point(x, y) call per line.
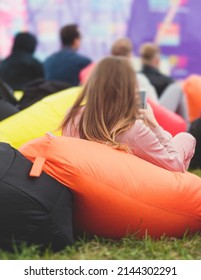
point(155, 145)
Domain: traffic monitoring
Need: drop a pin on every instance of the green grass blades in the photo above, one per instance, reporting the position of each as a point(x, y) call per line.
point(129, 248)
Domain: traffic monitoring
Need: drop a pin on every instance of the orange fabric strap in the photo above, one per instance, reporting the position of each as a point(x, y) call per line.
point(37, 167)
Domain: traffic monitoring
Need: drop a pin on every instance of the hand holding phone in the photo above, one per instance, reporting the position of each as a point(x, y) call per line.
point(148, 116)
point(143, 98)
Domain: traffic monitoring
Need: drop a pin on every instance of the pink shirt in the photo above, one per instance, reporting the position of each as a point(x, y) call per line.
point(154, 145)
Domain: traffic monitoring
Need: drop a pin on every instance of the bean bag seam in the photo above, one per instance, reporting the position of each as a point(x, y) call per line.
point(52, 210)
point(13, 160)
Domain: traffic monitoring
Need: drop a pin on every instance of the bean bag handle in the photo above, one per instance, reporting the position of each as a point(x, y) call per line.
point(37, 167)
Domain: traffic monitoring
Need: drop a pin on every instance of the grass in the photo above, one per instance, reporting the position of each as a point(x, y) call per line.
point(126, 249)
point(129, 248)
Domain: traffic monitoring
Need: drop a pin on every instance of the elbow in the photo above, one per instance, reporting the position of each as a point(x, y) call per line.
point(176, 166)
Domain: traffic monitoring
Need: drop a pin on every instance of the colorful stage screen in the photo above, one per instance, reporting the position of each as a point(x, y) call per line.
point(101, 22)
point(173, 24)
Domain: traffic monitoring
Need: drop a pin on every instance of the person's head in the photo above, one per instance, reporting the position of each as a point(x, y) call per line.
point(111, 102)
point(150, 54)
point(122, 47)
point(70, 36)
point(24, 41)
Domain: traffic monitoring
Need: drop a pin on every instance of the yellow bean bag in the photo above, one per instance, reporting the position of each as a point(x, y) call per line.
point(115, 193)
point(38, 119)
point(18, 94)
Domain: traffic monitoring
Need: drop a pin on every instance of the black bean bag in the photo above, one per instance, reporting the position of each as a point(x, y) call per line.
point(195, 130)
point(39, 89)
point(8, 103)
point(32, 210)
point(7, 93)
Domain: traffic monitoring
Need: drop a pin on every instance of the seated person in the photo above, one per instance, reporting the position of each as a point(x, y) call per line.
point(20, 67)
point(66, 64)
point(150, 57)
point(112, 116)
point(170, 93)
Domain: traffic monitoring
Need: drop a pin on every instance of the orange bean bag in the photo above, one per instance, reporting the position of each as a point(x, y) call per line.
point(192, 89)
point(116, 194)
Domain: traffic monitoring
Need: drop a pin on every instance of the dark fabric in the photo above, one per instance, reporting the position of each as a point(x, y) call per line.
point(32, 210)
point(65, 66)
point(157, 79)
point(39, 89)
point(6, 109)
point(8, 103)
point(7, 93)
point(195, 130)
point(19, 69)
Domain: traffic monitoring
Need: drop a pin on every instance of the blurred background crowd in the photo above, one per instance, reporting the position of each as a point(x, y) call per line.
point(48, 46)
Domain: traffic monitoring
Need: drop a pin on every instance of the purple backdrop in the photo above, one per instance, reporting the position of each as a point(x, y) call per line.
point(175, 26)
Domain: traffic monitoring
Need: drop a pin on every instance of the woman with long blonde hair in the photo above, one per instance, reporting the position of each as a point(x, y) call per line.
point(112, 116)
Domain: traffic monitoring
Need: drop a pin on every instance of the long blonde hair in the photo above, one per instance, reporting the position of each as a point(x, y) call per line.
point(111, 102)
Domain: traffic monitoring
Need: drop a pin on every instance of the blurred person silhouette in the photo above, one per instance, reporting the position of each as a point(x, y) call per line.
point(66, 64)
point(150, 58)
point(170, 92)
point(20, 67)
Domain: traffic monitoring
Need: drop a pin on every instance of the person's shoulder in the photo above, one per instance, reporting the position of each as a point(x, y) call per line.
point(3, 63)
point(36, 60)
point(53, 56)
point(83, 58)
point(165, 77)
point(141, 77)
point(135, 134)
point(6, 59)
point(12, 59)
point(137, 127)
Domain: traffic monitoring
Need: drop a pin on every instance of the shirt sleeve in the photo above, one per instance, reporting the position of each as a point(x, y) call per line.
point(157, 147)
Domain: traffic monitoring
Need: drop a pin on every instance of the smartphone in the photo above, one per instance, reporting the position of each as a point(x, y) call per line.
point(143, 98)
